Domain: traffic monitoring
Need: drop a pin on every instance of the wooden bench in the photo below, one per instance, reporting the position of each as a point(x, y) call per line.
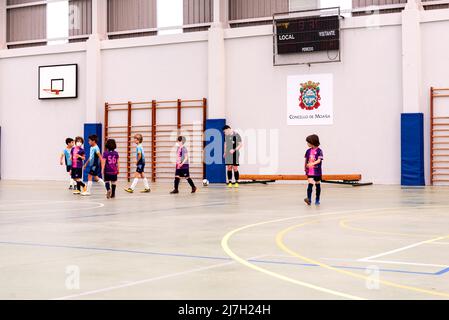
point(346, 179)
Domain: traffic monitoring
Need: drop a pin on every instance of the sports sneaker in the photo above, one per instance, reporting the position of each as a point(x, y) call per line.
point(109, 194)
point(145, 191)
point(317, 202)
point(85, 193)
point(76, 191)
point(308, 201)
point(229, 185)
point(129, 190)
point(236, 185)
point(174, 192)
point(194, 189)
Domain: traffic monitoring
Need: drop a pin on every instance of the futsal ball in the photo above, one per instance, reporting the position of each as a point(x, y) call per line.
point(205, 182)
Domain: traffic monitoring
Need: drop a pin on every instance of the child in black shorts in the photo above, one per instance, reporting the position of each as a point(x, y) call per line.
point(110, 167)
point(182, 166)
point(66, 158)
point(313, 161)
point(78, 155)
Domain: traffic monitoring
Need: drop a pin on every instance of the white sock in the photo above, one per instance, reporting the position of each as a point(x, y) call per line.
point(89, 186)
point(146, 184)
point(102, 182)
point(134, 184)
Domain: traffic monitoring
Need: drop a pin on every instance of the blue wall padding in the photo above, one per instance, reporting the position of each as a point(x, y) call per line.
point(412, 149)
point(215, 172)
point(89, 129)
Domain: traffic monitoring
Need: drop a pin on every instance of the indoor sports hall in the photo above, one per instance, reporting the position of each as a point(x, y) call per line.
point(224, 149)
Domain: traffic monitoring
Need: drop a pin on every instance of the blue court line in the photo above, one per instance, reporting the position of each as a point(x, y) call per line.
point(354, 268)
point(439, 273)
point(180, 255)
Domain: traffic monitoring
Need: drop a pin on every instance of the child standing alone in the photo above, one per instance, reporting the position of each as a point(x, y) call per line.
point(182, 166)
point(140, 166)
point(313, 161)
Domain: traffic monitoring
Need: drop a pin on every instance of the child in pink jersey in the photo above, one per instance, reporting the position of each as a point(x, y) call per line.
point(313, 161)
point(182, 166)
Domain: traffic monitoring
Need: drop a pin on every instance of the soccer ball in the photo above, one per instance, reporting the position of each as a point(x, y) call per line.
point(205, 182)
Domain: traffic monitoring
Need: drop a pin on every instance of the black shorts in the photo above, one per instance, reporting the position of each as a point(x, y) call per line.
point(95, 171)
point(140, 168)
point(315, 178)
point(77, 173)
point(68, 168)
point(110, 177)
point(182, 173)
point(232, 159)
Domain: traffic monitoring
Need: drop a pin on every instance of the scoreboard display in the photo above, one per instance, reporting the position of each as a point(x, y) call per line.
point(311, 34)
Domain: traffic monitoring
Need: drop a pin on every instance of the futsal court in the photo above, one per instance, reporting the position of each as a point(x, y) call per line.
point(224, 150)
point(363, 243)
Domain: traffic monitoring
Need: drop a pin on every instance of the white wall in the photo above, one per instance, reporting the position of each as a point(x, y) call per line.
point(365, 137)
point(159, 72)
point(34, 131)
point(367, 103)
point(435, 72)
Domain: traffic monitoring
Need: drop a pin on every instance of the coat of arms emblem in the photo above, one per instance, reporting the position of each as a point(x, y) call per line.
point(310, 95)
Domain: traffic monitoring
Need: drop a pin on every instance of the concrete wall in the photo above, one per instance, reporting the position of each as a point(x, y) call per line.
point(365, 137)
point(34, 131)
point(435, 72)
point(159, 71)
point(367, 103)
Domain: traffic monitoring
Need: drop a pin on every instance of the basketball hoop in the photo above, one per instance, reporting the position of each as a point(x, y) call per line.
point(53, 91)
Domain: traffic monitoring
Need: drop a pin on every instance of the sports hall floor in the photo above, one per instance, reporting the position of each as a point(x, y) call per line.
point(258, 242)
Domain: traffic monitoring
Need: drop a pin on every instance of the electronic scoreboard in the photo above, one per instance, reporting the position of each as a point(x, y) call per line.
point(309, 34)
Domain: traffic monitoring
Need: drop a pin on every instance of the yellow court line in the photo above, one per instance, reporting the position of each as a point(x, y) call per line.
point(226, 248)
point(281, 244)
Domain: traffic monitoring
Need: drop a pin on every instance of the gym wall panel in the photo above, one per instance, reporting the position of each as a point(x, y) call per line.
point(435, 70)
point(163, 72)
point(365, 137)
point(131, 15)
point(245, 9)
point(412, 149)
point(27, 23)
point(33, 130)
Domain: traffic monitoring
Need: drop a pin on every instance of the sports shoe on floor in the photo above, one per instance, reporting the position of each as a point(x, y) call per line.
point(129, 190)
point(317, 202)
point(85, 193)
point(76, 191)
point(109, 194)
point(174, 192)
point(145, 191)
point(229, 185)
point(236, 185)
point(306, 200)
point(194, 189)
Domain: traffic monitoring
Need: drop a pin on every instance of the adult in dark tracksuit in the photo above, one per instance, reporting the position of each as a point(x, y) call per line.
point(232, 145)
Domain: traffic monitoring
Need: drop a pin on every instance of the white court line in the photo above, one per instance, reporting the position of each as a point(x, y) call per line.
point(389, 262)
point(409, 263)
point(94, 205)
point(134, 283)
point(367, 259)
